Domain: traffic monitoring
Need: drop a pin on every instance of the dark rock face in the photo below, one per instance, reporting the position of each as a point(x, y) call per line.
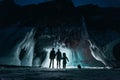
point(116, 52)
point(33, 14)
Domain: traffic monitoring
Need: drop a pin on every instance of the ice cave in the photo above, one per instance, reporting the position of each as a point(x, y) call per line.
point(33, 49)
point(74, 42)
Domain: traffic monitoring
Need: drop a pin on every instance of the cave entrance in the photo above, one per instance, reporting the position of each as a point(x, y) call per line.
point(63, 50)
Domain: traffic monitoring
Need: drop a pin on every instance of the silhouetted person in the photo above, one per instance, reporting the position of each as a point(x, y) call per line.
point(58, 57)
point(65, 59)
point(52, 57)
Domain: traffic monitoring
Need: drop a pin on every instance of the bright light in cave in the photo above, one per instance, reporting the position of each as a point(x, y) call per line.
point(62, 49)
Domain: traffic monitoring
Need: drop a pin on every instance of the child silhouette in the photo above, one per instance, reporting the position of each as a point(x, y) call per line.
point(65, 59)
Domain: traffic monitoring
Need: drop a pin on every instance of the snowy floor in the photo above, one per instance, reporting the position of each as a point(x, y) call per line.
point(55, 74)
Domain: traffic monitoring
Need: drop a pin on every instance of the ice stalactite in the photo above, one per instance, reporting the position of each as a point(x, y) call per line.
point(25, 49)
point(97, 53)
point(79, 53)
point(84, 32)
point(106, 56)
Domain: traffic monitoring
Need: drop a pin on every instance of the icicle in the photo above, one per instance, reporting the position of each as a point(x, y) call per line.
point(28, 44)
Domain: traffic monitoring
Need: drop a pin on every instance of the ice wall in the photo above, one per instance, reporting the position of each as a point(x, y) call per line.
point(28, 44)
point(11, 41)
point(24, 50)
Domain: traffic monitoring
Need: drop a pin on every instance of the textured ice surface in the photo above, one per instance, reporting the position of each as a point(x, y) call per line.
point(55, 74)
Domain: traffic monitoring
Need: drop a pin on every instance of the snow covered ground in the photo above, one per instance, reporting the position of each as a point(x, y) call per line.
point(61, 74)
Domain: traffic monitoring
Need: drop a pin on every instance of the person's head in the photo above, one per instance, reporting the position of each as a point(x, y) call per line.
point(64, 54)
point(58, 50)
point(52, 48)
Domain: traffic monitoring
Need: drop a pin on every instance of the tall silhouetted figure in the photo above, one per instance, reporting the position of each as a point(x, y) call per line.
point(52, 57)
point(65, 59)
point(58, 57)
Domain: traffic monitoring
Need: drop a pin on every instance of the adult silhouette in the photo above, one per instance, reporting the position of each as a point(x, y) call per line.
point(52, 57)
point(58, 58)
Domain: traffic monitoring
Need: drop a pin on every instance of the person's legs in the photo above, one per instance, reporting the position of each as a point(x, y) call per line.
point(57, 63)
point(64, 65)
point(50, 63)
